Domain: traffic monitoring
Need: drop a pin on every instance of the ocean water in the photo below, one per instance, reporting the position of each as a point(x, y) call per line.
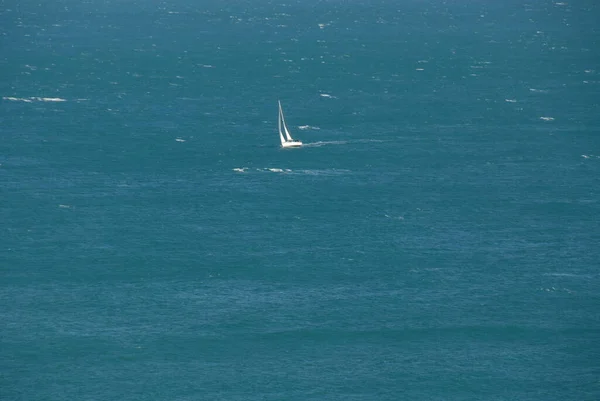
point(437, 237)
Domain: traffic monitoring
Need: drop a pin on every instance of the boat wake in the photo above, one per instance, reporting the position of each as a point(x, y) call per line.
point(324, 143)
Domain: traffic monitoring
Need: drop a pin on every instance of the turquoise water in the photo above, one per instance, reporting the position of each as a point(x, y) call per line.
point(435, 239)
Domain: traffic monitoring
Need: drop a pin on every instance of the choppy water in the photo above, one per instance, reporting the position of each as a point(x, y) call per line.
point(436, 238)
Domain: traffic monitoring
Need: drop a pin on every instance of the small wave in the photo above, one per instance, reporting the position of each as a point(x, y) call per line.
point(547, 118)
point(240, 169)
point(327, 95)
point(538, 90)
point(554, 289)
point(560, 274)
point(34, 99)
point(511, 100)
point(304, 127)
point(179, 140)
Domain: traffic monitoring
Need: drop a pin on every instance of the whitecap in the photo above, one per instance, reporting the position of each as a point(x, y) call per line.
point(179, 140)
point(547, 118)
point(240, 169)
point(327, 95)
point(304, 127)
point(511, 100)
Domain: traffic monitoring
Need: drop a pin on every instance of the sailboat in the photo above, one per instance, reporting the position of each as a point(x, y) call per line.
point(284, 134)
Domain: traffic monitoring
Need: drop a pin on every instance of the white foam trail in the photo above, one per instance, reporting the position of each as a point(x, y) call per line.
point(240, 169)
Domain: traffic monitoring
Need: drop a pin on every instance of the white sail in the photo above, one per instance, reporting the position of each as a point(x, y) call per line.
point(281, 138)
point(287, 133)
point(288, 141)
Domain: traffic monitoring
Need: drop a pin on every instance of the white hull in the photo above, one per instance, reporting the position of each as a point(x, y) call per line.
point(292, 144)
